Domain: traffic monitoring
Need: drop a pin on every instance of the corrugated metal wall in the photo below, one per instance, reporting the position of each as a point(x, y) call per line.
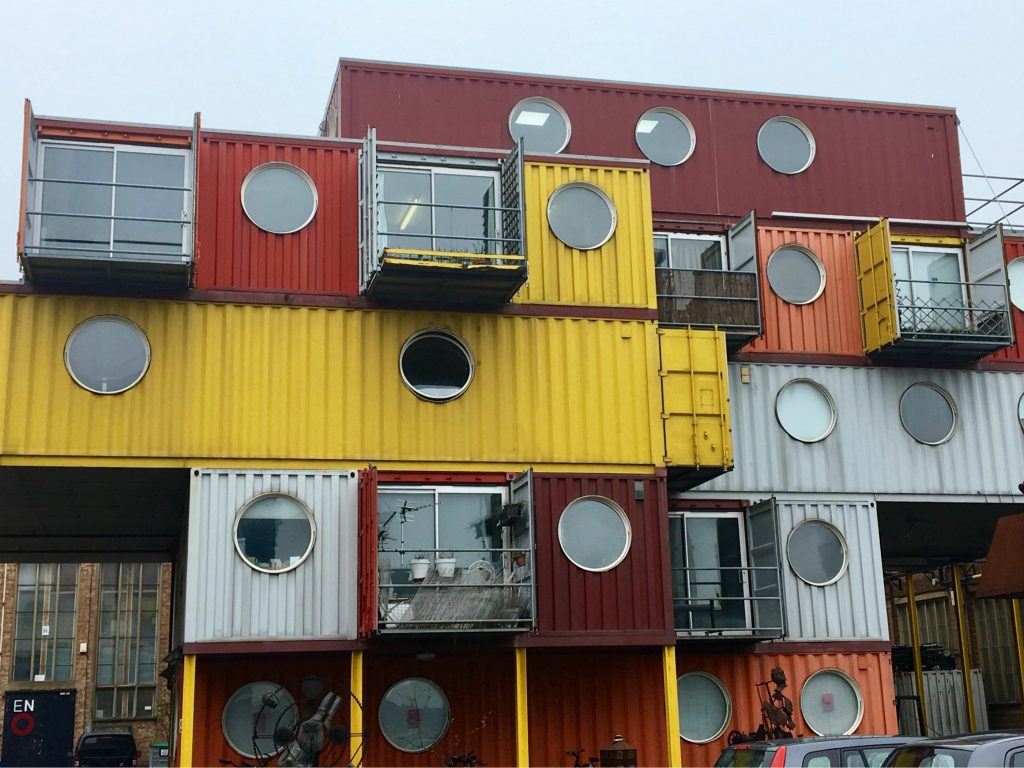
point(480, 687)
point(1014, 249)
point(865, 153)
point(869, 451)
point(853, 607)
point(217, 678)
point(584, 698)
point(227, 600)
point(630, 598)
point(254, 382)
point(620, 272)
point(740, 672)
point(232, 252)
point(831, 323)
point(945, 706)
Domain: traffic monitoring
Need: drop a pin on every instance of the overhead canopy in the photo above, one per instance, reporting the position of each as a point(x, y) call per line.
point(1003, 575)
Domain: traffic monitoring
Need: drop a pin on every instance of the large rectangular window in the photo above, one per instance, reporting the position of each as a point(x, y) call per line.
point(127, 641)
point(686, 251)
point(100, 201)
point(44, 622)
point(930, 289)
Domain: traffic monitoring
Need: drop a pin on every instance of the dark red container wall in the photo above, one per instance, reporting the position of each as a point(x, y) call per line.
point(233, 253)
point(631, 598)
point(583, 698)
point(1014, 249)
point(481, 694)
point(870, 161)
point(219, 677)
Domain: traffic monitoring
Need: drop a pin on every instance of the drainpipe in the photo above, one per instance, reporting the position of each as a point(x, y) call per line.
point(915, 642)
point(965, 648)
point(1018, 635)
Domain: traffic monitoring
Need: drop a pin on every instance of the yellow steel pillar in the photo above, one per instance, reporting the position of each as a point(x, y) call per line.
point(668, 666)
point(522, 712)
point(356, 738)
point(1018, 635)
point(188, 710)
point(915, 643)
point(965, 648)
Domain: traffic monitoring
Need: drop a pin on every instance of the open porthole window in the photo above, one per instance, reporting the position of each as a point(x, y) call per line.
point(927, 413)
point(705, 708)
point(817, 552)
point(414, 715)
point(795, 274)
point(107, 354)
point(541, 124)
point(786, 145)
point(249, 721)
point(831, 703)
point(279, 198)
point(274, 533)
point(581, 215)
point(665, 136)
point(436, 365)
point(805, 410)
point(594, 533)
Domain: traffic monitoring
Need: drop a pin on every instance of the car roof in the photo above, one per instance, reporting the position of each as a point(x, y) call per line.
point(972, 740)
point(826, 741)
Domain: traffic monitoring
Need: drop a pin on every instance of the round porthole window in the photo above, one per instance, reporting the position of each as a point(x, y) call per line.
point(249, 720)
point(817, 552)
point(786, 145)
point(594, 533)
point(805, 410)
point(274, 533)
point(414, 715)
point(107, 354)
point(831, 703)
point(796, 275)
point(927, 413)
point(665, 136)
point(1015, 275)
point(436, 365)
point(279, 198)
point(541, 124)
point(581, 215)
point(1020, 411)
point(705, 708)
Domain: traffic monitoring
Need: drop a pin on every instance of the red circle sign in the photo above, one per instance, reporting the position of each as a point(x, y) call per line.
point(22, 724)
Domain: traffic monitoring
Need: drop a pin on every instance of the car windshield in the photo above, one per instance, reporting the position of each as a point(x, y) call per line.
point(743, 757)
point(928, 757)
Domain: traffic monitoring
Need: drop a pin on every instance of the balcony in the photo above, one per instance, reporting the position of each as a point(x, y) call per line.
point(107, 214)
point(441, 230)
point(716, 602)
point(454, 590)
point(930, 298)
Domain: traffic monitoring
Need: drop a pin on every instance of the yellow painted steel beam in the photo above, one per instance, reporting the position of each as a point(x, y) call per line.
point(668, 665)
point(188, 710)
point(927, 240)
point(1018, 636)
point(915, 642)
point(522, 712)
point(965, 647)
point(356, 738)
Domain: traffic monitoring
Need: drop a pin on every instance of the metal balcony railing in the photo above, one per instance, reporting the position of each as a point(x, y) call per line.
point(968, 313)
point(454, 590)
point(752, 608)
point(709, 298)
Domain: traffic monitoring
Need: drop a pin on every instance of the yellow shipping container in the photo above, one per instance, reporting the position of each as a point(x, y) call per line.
point(619, 273)
point(244, 383)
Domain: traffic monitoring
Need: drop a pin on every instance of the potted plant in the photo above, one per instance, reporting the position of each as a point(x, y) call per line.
point(418, 567)
point(445, 565)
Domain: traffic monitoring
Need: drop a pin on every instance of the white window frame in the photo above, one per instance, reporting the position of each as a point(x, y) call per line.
point(188, 200)
point(915, 248)
point(697, 236)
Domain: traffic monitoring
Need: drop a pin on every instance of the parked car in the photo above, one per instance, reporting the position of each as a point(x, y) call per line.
point(818, 752)
point(106, 748)
point(993, 748)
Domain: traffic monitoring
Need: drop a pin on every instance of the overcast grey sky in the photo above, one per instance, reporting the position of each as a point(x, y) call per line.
point(257, 65)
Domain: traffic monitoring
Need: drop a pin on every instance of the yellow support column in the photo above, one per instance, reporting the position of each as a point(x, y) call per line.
point(1018, 635)
point(355, 711)
point(188, 710)
point(965, 647)
point(522, 712)
point(668, 665)
point(915, 642)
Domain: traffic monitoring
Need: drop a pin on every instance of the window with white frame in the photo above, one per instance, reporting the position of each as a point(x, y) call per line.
point(439, 209)
point(689, 251)
point(44, 622)
point(930, 289)
point(109, 200)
